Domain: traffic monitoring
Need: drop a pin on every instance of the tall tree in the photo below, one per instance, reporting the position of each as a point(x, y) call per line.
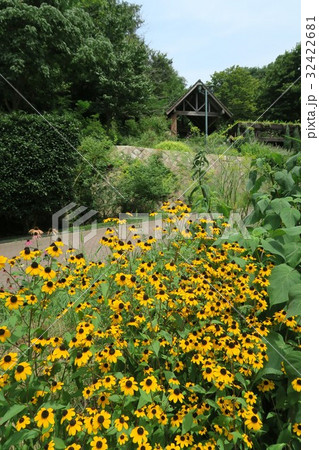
point(237, 88)
point(282, 75)
point(167, 84)
point(60, 51)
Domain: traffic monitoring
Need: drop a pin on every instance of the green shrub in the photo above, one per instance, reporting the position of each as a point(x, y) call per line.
point(173, 145)
point(144, 185)
point(36, 168)
point(91, 172)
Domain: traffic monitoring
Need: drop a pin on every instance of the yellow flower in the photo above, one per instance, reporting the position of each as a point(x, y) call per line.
point(44, 417)
point(296, 384)
point(121, 423)
point(54, 250)
point(149, 384)
point(296, 428)
point(102, 420)
point(122, 438)
point(4, 333)
point(266, 385)
point(3, 260)
point(67, 414)
point(250, 398)
point(8, 361)
point(22, 423)
point(49, 287)
point(14, 302)
point(34, 269)
point(22, 371)
point(139, 435)
point(128, 385)
point(253, 422)
point(175, 395)
point(99, 443)
point(74, 426)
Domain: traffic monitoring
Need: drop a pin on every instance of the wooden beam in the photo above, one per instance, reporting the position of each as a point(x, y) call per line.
point(196, 113)
point(174, 124)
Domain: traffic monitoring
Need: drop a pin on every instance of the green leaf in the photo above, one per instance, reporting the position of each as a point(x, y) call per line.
point(276, 447)
point(272, 246)
point(156, 347)
point(59, 443)
point(187, 422)
point(144, 399)
point(290, 216)
point(19, 436)
point(13, 411)
point(282, 279)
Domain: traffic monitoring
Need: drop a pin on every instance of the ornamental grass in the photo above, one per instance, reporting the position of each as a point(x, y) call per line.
point(163, 345)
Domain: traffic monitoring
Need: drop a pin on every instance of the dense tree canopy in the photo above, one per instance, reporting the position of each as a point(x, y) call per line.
point(237, 88)
point(57, 52)
point(249, 91)
point(282, 75)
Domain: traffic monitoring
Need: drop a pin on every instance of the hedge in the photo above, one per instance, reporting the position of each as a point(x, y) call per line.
point(36, 169)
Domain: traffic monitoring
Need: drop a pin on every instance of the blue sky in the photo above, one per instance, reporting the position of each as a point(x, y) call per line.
point(204, 36)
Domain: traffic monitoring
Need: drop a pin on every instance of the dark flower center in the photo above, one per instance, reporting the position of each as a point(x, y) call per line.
point(128, 383)
point(20, 368)
point(45, 414)
point(140, 431)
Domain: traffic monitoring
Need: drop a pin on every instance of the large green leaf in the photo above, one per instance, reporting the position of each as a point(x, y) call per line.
point(282, 280)
point(290, 216)
point(187, 422)
point(13, 411)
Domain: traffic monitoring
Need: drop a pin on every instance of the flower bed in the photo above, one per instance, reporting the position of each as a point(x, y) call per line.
point(165, 345)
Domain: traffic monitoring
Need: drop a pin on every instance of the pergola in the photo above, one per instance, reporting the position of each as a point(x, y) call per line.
point(201, 106)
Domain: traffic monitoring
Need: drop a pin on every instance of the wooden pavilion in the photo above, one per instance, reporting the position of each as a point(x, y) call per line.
point(200, 106)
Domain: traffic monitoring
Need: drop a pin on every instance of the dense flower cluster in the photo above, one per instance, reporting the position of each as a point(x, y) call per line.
point(161, 346)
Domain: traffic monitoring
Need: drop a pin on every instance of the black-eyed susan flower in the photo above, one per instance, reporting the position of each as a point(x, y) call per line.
point(149, 384)
point(54, 250)
point(253, 422)
point(121, 423)
point(56, 386)
point(266, 385)
point(73, 447)
point(296, 428)
point(48, 273)
point(145, 446)
point(102, 420)
point(44, 417)
point(8, 361)
point(122, 439)
point(99, 443)
point(5, 333)
point(74, 427)
point(67, 414)
point(49, 287)
point(23, 370)
point(34, 269)
point(296, 384)
point(175, 395)
point(250, 397)
point(23, 422)
point(14, 302)
point(139, 435)
point(128, 385)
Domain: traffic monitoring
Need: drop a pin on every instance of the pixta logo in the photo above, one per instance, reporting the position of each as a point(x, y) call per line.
point(71, 219)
